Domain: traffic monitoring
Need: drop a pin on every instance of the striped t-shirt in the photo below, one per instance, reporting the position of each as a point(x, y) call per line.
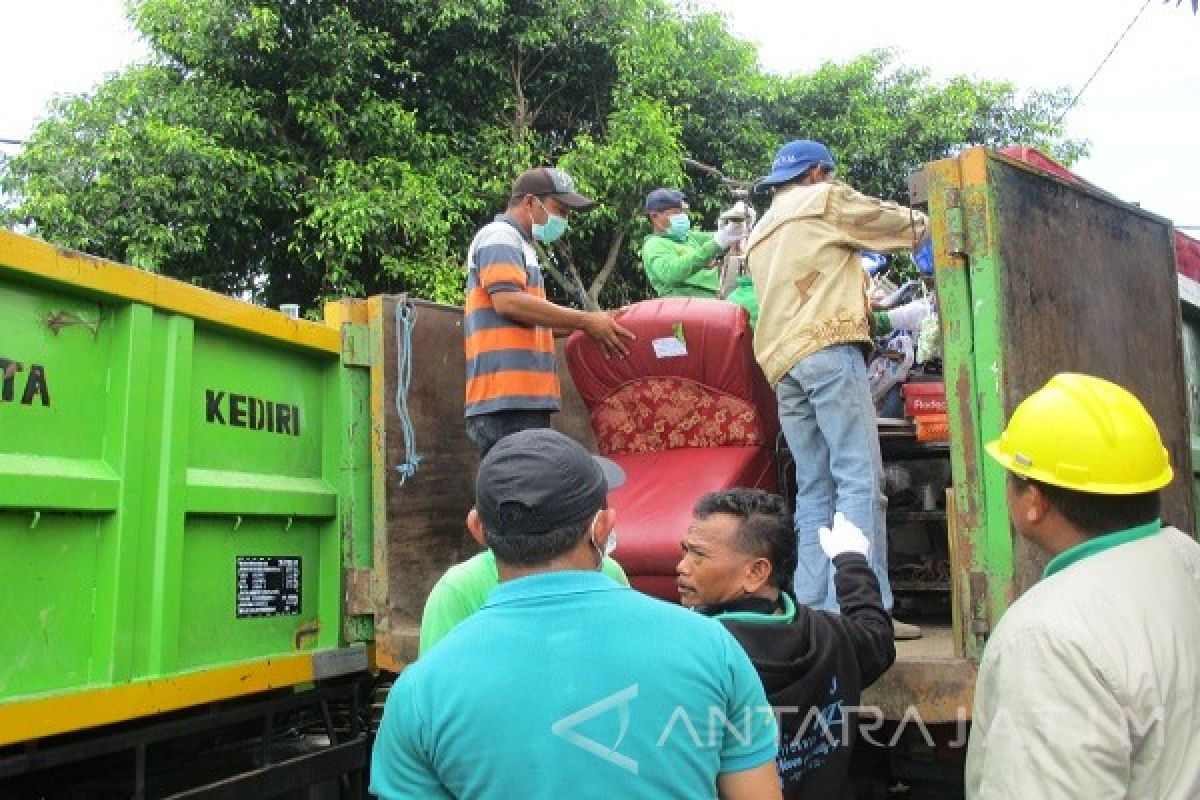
point(510, 366)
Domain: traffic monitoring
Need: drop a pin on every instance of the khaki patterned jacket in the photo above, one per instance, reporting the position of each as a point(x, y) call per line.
point(804, 259)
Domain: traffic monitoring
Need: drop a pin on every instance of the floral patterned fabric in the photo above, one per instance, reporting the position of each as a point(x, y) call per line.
point(657, 414)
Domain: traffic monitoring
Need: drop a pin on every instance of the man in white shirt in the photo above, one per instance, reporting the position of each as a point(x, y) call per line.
point(1089, 686)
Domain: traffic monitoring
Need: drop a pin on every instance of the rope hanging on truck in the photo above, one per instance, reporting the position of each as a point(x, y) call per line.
point(406, 318)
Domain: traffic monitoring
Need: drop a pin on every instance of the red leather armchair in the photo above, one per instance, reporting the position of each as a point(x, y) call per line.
point(688, 411)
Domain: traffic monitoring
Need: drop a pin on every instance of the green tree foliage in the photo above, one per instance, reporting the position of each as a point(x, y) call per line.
point(883, 120)
point(293, 150)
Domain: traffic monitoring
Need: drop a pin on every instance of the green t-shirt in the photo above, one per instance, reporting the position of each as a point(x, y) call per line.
point(1098, 544)
point(464, 589)
point(683, 268)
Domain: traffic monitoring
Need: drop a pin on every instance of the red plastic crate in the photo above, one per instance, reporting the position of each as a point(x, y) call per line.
point(924, 398)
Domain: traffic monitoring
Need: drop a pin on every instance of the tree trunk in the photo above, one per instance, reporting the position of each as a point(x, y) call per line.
point(570, 281)
point(520, 113)
point(610, 264)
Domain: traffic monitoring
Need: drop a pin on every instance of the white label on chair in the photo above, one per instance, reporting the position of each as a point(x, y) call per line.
point(669, 347)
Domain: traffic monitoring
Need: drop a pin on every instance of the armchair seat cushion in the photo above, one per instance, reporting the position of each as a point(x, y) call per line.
point(654, 506)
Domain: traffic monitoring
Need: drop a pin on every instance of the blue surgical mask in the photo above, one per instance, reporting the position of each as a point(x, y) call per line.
point(678, 225)
point(552, 230)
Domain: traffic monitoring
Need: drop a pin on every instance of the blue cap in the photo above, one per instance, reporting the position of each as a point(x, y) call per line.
point(794, 159)
point(662, 199)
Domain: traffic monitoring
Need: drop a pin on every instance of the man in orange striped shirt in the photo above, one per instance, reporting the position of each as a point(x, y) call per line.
point(509, 325)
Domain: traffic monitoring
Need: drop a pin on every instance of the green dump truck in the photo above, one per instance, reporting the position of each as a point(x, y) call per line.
point(208, 548)
point(184, 479)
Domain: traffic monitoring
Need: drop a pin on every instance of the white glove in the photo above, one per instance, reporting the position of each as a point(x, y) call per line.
point(909, 317)
point(844, 538)
point(728, 233)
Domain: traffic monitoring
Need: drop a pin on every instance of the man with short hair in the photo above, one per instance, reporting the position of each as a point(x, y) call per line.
point(812, 337)
point(1088, 687)
point(681, 262)
point(464, 588)
point(543, 692)
point(509, 325)
point(738, 557)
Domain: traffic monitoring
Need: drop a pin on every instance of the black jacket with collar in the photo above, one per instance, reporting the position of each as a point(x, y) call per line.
point(814, 666)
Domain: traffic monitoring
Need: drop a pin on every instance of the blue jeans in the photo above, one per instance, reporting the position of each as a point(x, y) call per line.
point(828, 419)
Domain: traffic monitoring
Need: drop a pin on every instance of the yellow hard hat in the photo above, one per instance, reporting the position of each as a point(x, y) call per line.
point(1086, 434)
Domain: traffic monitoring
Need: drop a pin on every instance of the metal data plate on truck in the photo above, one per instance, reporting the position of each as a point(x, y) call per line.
point(182, 477)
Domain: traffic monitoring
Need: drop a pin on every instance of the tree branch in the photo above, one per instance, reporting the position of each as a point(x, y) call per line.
point(716, 173)
point(545, 99)
point(610, 264)
point(564, 249)
point(559, 278)
point(572, 285)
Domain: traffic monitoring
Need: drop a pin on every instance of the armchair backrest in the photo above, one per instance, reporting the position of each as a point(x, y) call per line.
point(690, 380)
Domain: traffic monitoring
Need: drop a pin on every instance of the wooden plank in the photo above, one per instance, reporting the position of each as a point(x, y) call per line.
point(426, 533)
point(927, 680)
point(573, 420)
point(426, 530)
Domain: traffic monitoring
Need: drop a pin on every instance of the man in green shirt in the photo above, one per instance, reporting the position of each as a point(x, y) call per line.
point(681, 262)
point(464, 589)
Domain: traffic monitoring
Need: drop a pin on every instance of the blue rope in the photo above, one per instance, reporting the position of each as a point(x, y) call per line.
point(406, 318)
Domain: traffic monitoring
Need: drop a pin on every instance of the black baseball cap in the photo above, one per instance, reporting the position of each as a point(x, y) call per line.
point(538, 480)
point(662, 199)
point(551, 182)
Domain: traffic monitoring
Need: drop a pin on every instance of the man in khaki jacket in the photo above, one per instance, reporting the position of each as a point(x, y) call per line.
point(811, 340)
point(1090, 685)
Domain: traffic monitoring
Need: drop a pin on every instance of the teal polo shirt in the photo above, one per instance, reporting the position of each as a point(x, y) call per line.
point(566, 684)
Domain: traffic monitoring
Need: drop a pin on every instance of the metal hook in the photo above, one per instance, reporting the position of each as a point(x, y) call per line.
point(288, 527)
point(37, 517)
point(238, 523)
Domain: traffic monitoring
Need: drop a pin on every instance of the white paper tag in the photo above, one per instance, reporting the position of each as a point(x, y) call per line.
point(669, 347)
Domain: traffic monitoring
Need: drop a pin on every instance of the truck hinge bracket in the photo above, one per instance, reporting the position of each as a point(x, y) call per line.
point(980, 624)
point(956, 237)
point(356, 345)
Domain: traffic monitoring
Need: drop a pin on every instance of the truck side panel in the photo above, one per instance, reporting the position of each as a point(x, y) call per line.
point(1089, 286)
point(1038, 276)
point(172, 468)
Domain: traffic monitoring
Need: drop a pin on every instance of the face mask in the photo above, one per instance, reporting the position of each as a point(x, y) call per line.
point(552, 230)
point(678, 225)
point(610, 546)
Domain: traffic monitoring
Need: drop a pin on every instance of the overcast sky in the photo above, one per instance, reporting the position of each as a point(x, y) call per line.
point(1141, 113)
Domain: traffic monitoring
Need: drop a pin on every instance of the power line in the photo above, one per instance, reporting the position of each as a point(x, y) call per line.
point(1104, 61)
point(12, 141)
